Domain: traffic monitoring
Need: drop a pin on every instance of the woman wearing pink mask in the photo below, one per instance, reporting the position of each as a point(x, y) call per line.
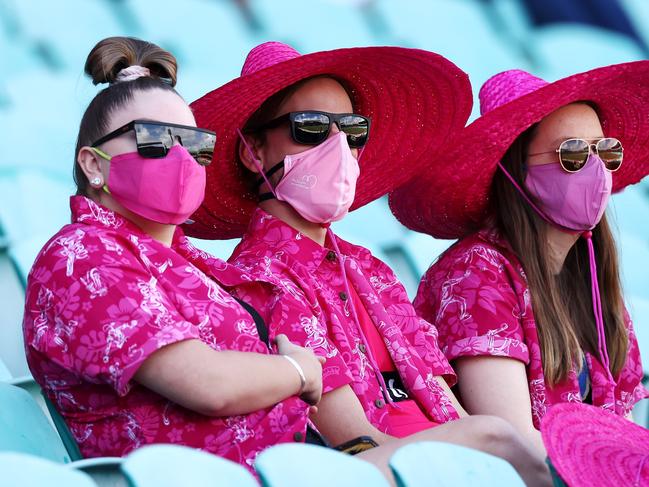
point(307, 138)
point(129, 328)
point(528, 303)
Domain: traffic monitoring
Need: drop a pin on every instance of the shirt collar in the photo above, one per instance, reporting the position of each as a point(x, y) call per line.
point(88, 212)
point(270, 230)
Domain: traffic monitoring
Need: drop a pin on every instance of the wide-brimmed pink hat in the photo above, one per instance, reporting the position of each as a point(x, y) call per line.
point(591, 446)
point(451, 200)
point(415, 99)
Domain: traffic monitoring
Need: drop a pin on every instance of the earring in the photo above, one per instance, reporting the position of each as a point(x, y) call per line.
point(96, 181)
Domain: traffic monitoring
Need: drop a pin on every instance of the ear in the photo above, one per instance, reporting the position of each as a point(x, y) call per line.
point(90, 163)
point(245, 155)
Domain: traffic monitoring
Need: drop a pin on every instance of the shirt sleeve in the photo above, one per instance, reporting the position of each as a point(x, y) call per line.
point(629, 385)
point(100, 318)
point(286, 311)
point(472, 302)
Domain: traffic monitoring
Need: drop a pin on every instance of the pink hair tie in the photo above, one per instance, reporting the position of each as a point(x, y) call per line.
point(131, 73)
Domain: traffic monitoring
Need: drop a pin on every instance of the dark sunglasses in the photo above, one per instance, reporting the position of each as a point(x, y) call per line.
point(573, 153)
point(154, 139)
point(313, 127)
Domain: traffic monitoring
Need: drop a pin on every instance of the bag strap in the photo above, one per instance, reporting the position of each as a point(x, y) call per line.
point(262, 329)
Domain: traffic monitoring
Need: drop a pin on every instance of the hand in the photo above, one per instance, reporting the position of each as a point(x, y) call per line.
point(311, 366)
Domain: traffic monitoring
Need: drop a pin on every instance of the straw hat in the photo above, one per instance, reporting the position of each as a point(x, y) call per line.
point(591, 446)
point(452, 200)
point(416, 99)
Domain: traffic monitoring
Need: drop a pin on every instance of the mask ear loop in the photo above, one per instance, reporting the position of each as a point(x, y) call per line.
point(257, 162)
point(370, 355)
point(594, 284)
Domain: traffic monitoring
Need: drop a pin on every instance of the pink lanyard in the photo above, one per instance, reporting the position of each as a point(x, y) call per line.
point(594, 285)
point(370, 356)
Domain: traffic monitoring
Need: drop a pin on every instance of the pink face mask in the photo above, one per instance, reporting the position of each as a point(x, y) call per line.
point(572, 200)
point(319, 183)
point(166, 190)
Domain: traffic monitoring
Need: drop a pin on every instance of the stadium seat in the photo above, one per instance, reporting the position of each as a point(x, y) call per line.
point(218, 248)
point(307, 25)
point(12, 302)
point(436, 464)
point(629, 209)
point(5, 375)
point(171, 466)
point(30, 471)
point(62, 37)
point(633, 252)
point(24, 428)
point(565, 49)
point(302, 465)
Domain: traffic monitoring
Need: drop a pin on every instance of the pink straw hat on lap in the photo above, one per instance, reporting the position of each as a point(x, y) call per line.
point(451, 200)
point(591, 446)
point(416, 99)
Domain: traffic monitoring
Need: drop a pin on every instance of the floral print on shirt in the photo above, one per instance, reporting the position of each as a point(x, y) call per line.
point(102, 297)
point(477, 296)
point(311, 307)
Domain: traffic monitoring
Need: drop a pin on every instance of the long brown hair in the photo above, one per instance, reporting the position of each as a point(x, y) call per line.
point(562, 304)
point(104, 63)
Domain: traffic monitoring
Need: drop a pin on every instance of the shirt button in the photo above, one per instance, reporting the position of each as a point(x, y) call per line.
point(362, 348)
point(379, 403)
point(342, 295)
point(298, 436)
point(331, 256)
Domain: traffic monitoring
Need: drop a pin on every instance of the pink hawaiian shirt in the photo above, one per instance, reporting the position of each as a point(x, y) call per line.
point(477, 296)
point(312, 308)
point(103, 296)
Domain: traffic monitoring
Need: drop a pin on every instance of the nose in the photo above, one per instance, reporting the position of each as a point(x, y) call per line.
point(334, 129)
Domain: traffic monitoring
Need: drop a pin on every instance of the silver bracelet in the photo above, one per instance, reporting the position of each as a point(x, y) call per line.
point(299, 371)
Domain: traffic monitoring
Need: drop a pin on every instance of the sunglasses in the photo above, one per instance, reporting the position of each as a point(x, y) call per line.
point(573, 153)
point(313, 127)
point(154, 139)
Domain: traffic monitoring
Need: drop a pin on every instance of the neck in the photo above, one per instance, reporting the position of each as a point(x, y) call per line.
point(163, 233)
point(288, 215)
point(559, 243)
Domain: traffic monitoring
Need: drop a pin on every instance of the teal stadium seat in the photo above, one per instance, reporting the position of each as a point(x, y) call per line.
point(638, 307)
point(25, 429)
point(303, 465)
point(94, 22)
point(307, 25)
point(457, 29)
point(565, 49)
point(436, 464)
point(172, 466)
point(629, 209)
point(29, 471)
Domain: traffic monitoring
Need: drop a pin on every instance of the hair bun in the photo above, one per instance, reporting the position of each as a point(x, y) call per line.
point(113, 54)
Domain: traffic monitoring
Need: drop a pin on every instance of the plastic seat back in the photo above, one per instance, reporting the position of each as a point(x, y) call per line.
point(172, 465)
point(301, 465)
point(436, 464)
point(24, 428)
point(29, 471)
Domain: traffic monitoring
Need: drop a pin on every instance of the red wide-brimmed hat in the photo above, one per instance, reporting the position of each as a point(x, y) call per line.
point(416, 99)
point(451, 200)
point(591, 446)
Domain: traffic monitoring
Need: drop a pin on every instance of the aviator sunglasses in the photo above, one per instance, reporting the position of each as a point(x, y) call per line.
point(154, 139)
point(312, 127)
point(573, 153)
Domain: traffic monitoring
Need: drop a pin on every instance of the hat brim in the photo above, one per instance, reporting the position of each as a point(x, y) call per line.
point(452, 201)
point(416, 100)
point(588, 444)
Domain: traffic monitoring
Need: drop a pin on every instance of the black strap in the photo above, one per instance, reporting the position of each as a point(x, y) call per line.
point(266, 196)
point(262, 329)
point(269, 173)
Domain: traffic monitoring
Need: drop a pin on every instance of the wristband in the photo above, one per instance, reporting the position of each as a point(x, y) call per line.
point(299, 371)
